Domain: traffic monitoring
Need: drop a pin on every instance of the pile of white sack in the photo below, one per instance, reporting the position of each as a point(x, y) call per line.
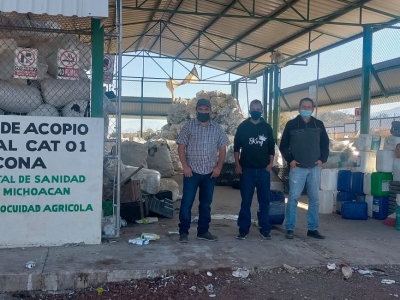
point(46, 95)
point(225, 111)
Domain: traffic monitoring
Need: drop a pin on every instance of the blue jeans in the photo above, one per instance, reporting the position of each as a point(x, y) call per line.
point(297, 179)
point(249, 180)
point(205, 184)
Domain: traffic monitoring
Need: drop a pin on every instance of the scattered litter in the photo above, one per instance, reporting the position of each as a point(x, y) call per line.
point(99, 290)
point(173, 232)
point(378, 271)
point(209, 274)
point(331, 266)
point(193, 288)
point(241, 273)
point(150, 236)
point(212, 295)
point(224, 217)
point(395, 295)
point(124, 223)
point(346, 270)
point(195, 219)
point(138, 241)
point(291, 269)
point(209, 288)
point(364, 272)
point(30, 264)
point(388, 281)
point(148, 220)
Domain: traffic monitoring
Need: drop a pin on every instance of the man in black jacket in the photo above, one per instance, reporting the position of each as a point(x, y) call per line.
point(305, 146)
point(255, 145)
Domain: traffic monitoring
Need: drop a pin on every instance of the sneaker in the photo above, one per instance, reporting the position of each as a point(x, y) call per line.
point(315, 234)
point(266, 236)
point(289, 234)
point(241, 236)
point(207, 237)
point(183, 238)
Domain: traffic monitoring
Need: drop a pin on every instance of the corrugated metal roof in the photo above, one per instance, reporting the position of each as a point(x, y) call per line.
point(345, 87)
point(79, 8)
point(248, 30)
point(152, 106)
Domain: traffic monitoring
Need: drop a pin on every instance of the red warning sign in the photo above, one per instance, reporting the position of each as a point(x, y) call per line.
point(68, 64)
point(108, 68)
point(25, 63)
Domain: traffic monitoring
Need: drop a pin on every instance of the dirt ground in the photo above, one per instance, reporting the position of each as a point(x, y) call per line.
point(274, 284)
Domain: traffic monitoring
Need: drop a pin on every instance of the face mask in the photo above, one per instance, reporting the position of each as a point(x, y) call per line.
point(203, 117)
point(305, 113)
point(255, 115)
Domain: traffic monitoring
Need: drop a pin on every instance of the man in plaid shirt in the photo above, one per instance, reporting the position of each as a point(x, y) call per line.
point(202, 149)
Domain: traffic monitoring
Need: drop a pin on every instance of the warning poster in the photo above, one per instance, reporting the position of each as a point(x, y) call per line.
point(108, 69)
point(25, 63)
point(68, 64)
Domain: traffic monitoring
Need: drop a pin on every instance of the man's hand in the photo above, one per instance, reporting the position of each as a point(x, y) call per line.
point(293, 164)
point(269, 168)
point(187, 171)
point(319, 163)
point(238, 169)
point(216, 172)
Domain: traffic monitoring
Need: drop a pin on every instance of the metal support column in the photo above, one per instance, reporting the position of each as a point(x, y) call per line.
point(97, 68)
point(271, 94)
point(235, 90)
point(265, 94)
point(366, 79)
point(275, 126)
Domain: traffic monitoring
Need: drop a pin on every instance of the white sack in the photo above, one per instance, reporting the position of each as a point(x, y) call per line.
point(75, 108)
point(159, 158)
point(45, 110)
point(170, 185)
point(173, 150)
point(149, 179)
point(19, 98)
point(133, 154)
point(60, 92)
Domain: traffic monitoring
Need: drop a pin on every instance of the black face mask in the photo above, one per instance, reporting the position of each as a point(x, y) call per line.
point(203, 117)
point(255, 115)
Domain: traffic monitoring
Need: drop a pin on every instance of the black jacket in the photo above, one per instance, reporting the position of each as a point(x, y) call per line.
point(256, 143)
point(305, 142)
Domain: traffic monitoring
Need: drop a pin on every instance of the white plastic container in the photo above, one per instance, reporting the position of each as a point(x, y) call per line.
point(326, 200)
point(329, 179)
point(368, 142)
point(369, 199)
point(366, 162)
point(367, 184)
point(390, 142)
point(396, 169)
point(384, 161)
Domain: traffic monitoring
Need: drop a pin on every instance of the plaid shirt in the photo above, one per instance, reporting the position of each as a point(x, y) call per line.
point(202, 143)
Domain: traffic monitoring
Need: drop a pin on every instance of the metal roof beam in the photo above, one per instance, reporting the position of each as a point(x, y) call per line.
point(258, 26)
point(297, 35)
point(379, 82)
point(215, 20)
point(162, 30)
point(284, 99)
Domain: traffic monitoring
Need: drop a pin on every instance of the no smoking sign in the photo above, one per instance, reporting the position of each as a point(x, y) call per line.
point(68, 64)
point(25, 63)
point(108, 68)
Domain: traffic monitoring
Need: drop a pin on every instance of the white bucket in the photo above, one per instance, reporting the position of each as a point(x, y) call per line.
point(326, 200)
point(329, 179)
point(369, 199)
point(366, 162)
point(390, 142)
point(367, 184)
point(396, 169)
point(384, 161)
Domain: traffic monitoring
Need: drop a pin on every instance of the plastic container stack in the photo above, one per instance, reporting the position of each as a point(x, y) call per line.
point(367, 145)
point(327, 192)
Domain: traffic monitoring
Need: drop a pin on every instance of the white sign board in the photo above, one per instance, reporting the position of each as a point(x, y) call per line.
point(312, 92)
point(68, 64)
point(25, 63)
point(108, 68)
point(51, 172)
